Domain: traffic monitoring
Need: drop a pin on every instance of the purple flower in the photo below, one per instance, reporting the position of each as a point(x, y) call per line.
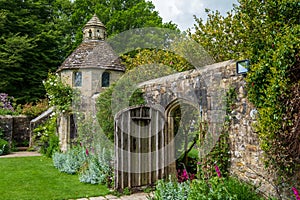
point(5, 101)
point(198, 163)
point(218, 171)
point(87, 152)
point(296, 193)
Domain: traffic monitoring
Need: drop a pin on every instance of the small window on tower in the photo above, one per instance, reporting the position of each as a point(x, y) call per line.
point(77, 79)
point(90, 33)
point(105, 79)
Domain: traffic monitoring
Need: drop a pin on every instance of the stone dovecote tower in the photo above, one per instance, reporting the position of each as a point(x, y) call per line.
point(91, 68)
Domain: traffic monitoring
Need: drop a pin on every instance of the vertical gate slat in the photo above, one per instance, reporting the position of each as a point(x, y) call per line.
point(150, 150)
point(128, 148)
point(121, 148)
point(116, 154)
point(140, 138)
point(139, 150)
point(157, 148)
point(163, 150)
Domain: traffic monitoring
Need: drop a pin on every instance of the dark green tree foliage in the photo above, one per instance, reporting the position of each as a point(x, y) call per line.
point(37, 35)
point(29, 46)
point(117, 15)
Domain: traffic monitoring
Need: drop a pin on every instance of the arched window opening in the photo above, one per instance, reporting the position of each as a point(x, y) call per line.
point(105, 79)
point(90, 33)
point(77, 81)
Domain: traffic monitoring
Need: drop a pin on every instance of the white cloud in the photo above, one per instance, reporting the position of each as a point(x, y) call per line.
point(181, 11)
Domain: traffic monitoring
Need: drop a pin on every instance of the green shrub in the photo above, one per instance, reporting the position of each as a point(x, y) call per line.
point(45, 138)
point(171, 190)
point(36, 109)
point(222, 188)
point(241, 190)
point(97, 169)
point(71, 161)
point(94, 173)
point(92, 168)
point(4, 147)
point(213, 189)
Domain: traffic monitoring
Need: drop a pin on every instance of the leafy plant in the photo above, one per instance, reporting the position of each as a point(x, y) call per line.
point(214, 188)
point(6, 105)
point(222, 188)
point(126, 191)
point(92, 168)
point(60, 95)
point(4, 147)
point(267, 33)
point(171, 190)
point(33, 110)
point(45, 138)
point(97, 170)
point(71, 161)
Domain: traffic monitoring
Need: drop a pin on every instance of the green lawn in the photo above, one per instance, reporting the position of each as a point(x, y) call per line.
point(36, 178)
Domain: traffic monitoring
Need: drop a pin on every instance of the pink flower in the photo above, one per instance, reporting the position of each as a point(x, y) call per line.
point(184, 174)
point(296, 193)
point(198, 163)
point(171, 63)
point(87, 152)
point(218, 171)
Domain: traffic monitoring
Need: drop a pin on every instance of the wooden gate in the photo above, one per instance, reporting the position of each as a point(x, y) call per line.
point(143, 149)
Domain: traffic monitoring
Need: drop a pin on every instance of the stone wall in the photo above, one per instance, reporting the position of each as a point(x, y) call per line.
point(91, 80)
point(16, 129)
point(246, 154)
point(206, 88)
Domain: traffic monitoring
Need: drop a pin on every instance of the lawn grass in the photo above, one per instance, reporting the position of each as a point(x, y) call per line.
point(35, 178)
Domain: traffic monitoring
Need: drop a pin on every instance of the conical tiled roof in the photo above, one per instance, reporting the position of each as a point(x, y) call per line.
point(94, 21)
point(93, 53)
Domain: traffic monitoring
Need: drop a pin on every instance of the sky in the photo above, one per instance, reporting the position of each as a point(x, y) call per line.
point(181, 12)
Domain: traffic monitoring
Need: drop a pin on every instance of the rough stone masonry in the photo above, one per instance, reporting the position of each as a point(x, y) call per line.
point(207, 87)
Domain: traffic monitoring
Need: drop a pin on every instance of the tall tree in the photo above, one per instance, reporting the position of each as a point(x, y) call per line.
point(37, 35)
point(28, 47)
point(117, 15)
point(267, 33)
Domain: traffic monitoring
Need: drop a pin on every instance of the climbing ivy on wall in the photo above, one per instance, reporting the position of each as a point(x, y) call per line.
point(267, 33)
point(273, 84)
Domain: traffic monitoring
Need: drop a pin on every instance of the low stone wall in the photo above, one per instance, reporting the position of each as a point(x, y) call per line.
point(16, 129)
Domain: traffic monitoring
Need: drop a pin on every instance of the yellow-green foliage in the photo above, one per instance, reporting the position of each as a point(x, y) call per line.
point(267, 33)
